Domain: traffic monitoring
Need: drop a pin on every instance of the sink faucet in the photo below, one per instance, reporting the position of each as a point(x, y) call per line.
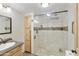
point(1, 40)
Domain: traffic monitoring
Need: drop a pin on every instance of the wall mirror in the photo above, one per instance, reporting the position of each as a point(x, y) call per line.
point(5, 25)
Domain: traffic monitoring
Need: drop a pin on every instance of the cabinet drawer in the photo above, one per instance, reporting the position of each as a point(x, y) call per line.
point(12, 52)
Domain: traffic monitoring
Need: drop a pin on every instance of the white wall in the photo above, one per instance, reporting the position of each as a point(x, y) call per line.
point(17, 25)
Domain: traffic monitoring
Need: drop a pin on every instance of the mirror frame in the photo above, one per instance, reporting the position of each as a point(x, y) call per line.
point(10, 25)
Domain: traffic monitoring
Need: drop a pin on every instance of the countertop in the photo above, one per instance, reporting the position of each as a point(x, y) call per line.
point(11, 48)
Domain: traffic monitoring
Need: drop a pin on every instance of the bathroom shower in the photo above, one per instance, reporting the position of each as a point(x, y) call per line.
point(51, 34)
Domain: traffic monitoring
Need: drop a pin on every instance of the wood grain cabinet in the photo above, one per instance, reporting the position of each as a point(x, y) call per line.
point(27, 30)
point(15, 52)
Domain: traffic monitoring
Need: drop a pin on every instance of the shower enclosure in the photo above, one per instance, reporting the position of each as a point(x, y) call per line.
point(50, 34)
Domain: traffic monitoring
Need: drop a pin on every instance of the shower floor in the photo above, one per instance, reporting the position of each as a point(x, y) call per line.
point(49, 53)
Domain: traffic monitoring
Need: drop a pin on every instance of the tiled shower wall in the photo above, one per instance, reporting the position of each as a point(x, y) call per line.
point(50, 42)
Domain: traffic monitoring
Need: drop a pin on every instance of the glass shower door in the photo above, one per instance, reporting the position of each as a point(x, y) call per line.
point(50, 35)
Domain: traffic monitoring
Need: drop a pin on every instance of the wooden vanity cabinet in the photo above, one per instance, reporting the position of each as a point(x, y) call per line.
point(15, 52)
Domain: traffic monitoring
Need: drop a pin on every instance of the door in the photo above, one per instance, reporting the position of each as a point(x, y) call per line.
point(27, 31)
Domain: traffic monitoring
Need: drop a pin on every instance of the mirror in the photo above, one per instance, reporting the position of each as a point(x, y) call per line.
point(5, 25)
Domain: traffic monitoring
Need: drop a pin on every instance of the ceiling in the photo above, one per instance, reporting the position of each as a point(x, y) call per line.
point(36, 8)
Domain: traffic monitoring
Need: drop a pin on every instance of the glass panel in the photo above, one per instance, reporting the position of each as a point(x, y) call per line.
point(51, 34)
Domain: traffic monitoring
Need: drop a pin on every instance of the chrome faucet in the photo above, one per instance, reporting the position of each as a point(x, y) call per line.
point(1, 40)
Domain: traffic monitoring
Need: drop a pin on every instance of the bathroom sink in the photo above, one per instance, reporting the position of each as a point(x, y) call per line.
point(7, 45)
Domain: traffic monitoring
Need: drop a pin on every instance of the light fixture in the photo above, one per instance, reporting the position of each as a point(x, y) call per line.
point(5, 8)
point(44, 5)
point(48, 14)
point(8, 9)
point(1, 6)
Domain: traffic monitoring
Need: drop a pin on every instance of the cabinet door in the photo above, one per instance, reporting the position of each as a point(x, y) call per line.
point(27, 21)
point(27, 46)
point(27, 34)
point(27, 30)
point(14, 51)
